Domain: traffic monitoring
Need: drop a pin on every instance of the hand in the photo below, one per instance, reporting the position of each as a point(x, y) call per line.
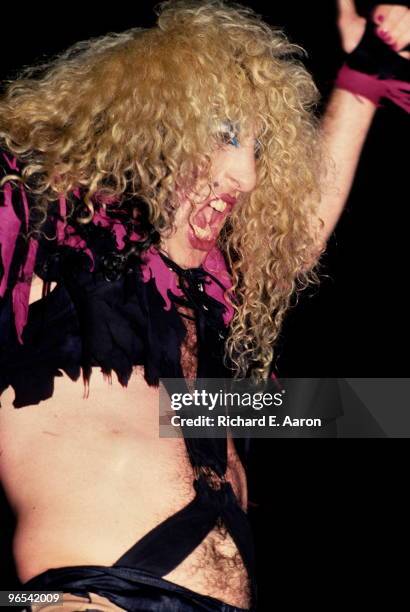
point(393, 21)
point(393, 26)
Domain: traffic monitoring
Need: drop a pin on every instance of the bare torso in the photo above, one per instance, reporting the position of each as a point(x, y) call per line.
point(88, 477)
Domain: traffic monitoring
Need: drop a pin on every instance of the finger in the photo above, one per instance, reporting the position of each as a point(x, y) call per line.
point(400, 36)
point(392, 18)
point(386, 31)
point(381, 13)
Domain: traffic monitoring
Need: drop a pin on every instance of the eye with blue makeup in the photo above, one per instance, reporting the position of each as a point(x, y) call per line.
point(234, 141)
point(229, 135)
point(230, 139)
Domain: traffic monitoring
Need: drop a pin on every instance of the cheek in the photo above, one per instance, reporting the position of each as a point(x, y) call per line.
point(182, 213)
point(219, 161)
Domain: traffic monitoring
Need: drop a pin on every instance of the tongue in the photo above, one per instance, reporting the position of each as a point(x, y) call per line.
point(200, 219)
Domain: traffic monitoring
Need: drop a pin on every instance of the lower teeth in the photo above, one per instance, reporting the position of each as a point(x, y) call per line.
point(201, 232)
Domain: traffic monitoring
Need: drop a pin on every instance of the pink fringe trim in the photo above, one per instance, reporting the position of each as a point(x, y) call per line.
point(373, 88)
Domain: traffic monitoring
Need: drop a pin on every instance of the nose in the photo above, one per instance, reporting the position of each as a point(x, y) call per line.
point(241, 173)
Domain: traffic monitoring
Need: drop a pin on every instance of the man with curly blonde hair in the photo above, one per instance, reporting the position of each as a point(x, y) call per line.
point(164, 197)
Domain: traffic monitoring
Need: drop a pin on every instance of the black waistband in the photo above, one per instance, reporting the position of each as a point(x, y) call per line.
point(131, 589)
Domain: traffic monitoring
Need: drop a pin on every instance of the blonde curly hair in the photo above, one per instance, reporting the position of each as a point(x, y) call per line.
point(135, 111)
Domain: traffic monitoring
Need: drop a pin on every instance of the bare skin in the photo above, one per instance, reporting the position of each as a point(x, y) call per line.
point(87, 478)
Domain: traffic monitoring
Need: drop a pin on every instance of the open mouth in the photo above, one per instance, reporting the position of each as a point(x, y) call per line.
point(207, 222)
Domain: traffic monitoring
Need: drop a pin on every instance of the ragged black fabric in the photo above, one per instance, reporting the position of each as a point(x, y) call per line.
point(374, 57)
point(103, 312)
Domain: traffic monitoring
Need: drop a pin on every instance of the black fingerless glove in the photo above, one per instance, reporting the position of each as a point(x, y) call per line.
point(374, 71)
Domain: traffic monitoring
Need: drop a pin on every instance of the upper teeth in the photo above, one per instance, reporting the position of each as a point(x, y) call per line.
point(218, 205)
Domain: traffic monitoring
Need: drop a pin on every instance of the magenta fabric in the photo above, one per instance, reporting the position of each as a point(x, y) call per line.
point(373, 87)
point(166, 280)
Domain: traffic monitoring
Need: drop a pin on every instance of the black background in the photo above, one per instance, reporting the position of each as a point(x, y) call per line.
point(354, 324)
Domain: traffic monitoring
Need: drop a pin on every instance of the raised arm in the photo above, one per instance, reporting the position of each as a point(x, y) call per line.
point(345, 126)
point(354, 100)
